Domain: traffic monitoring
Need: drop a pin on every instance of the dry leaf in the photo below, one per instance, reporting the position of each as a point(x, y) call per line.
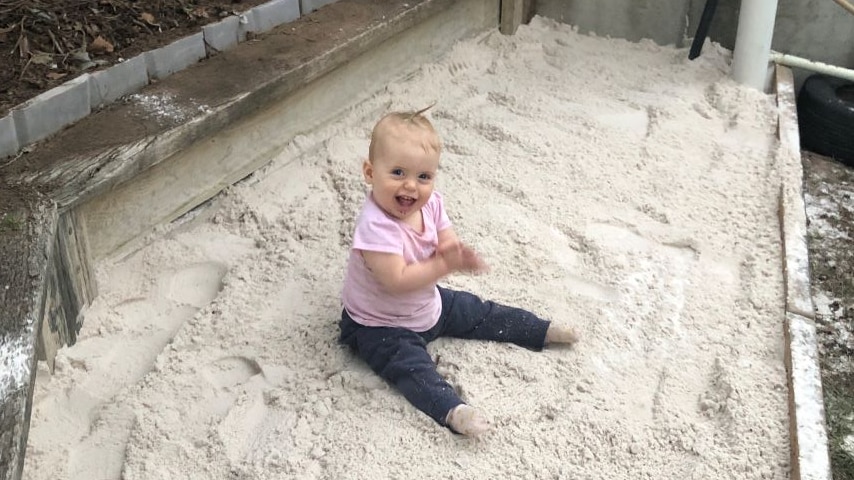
point(201, 12)
point(56, 75)
point(100, 45)
point(42, 58)
point(148, 18)
point(24, 46)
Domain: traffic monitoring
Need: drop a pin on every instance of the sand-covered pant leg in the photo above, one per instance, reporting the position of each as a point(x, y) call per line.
point(400, 356)
point(465, 315)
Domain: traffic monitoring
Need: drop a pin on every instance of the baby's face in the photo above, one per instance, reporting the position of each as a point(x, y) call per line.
point(402, 175)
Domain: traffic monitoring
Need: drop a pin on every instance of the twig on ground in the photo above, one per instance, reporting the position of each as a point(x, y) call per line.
point(55, 42)
point(26, 65)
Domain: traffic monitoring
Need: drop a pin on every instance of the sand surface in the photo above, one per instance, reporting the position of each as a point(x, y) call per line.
point(616, 186)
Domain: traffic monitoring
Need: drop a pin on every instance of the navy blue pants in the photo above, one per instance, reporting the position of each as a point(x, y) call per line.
point(400, 356)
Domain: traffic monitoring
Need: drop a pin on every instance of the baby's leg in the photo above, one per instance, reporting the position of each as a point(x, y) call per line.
point(467, 316)
point(400, 356)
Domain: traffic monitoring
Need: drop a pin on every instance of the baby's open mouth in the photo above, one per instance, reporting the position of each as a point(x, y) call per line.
point(405, 201)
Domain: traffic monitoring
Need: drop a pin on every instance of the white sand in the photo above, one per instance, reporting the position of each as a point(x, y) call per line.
point(612, 185)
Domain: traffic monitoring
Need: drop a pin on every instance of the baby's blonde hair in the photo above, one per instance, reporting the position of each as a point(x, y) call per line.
point(412, 125)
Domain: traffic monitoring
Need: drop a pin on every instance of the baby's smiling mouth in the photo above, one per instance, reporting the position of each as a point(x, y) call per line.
point(404, 201)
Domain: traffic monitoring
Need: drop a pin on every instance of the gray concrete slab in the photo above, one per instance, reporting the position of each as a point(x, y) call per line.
point(222, 35)
point(8, 137)
point(308, 6)
point(662, 21)
point(176, 56)
point(272, 14)
point(51, 111)
point(246, 24)
point(121, 79)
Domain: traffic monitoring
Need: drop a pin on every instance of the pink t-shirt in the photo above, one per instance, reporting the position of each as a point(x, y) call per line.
point(365, 299)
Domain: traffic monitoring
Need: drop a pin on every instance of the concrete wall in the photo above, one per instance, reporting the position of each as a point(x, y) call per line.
point(663, 21)
point(818, 30)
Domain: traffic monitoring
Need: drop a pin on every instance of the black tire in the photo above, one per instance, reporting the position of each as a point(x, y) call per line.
point(826, 117)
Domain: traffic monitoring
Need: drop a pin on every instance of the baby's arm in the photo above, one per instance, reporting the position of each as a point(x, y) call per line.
point(447, 237)
point(392, 271)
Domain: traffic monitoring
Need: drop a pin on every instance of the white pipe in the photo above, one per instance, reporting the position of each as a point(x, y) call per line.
point(750, 62)
point(846, 5)
point(812, 65)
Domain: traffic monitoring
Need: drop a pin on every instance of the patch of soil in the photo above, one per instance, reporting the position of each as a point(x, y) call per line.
point(44, 43)
point(829, 196)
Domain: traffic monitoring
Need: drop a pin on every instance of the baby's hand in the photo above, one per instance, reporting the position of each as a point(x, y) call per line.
point(460, 257)
point(472, 262)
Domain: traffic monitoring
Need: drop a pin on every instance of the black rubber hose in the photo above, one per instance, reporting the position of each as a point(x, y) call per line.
point(703, 28)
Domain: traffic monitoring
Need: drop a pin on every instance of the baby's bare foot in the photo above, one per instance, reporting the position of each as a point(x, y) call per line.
point(557, 334)
point(468, 421)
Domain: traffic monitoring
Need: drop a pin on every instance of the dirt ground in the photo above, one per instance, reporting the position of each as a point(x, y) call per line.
point(44, 43)
point(830, 211)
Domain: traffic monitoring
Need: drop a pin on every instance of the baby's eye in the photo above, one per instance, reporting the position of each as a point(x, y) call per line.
point(425, 177)
point(397, 172)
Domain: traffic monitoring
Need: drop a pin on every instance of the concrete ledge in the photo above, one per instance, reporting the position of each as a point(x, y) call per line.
point(8, 137)
point(222, 35)
point(808, 432)
point(246, 24)
point(308, 6)
point(52, 110)
point(176, 56)
point(107, 86)
point(275, 13)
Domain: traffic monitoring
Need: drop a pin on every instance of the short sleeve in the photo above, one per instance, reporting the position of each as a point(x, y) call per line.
point(378, 234)
point(439, 213)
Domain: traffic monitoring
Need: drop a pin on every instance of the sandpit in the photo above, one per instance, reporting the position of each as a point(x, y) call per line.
point(616, 186)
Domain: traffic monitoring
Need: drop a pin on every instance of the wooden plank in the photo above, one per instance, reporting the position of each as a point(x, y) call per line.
point(26, 243)
point(807, 429)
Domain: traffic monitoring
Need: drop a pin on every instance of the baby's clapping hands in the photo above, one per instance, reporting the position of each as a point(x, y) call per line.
point(461, 258)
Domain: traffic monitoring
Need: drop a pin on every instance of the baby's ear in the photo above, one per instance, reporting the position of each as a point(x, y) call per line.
point(368, 171)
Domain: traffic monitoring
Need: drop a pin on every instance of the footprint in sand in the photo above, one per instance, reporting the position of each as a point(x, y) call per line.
point(228, 372)
point(241, 403)
point(196, 285)
point(569, 259)
point(125, 358)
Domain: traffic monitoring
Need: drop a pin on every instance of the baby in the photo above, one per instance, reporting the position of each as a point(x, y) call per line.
point(403, 245)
